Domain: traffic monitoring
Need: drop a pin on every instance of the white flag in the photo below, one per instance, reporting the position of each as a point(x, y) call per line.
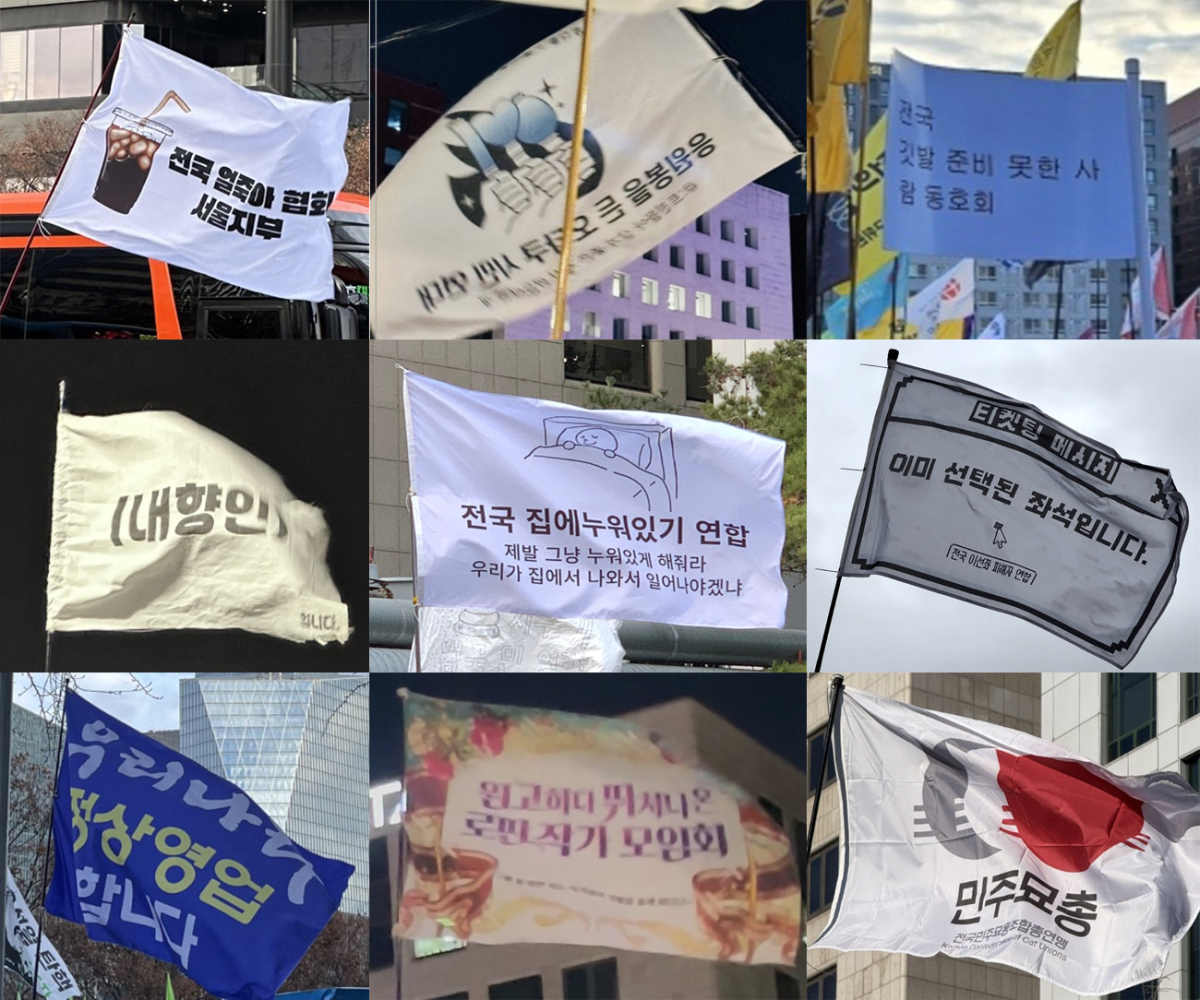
point(470, 221)
point(981, 842)
point(160, 523)
point(213, 177)
point(940, 309)
point(981, 497)
point(1162, 296)
point(55, 981)
point(645, 6)
point(532, 507)
point(997, 329)
point(459, 640)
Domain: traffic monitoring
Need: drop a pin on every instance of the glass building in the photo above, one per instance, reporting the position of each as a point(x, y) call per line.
point(297, 744)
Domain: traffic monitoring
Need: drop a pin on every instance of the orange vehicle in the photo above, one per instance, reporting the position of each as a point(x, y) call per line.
point(75, 288)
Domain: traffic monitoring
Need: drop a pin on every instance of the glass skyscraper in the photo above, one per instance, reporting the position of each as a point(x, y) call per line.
point(297, 744)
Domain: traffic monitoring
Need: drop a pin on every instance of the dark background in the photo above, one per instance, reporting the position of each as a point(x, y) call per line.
point(769, 707)
point(299, 406)
point(767, 41)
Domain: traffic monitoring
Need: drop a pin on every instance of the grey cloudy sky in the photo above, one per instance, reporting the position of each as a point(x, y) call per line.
point(1003, 34)
point(113, 693)
point(1142, 399)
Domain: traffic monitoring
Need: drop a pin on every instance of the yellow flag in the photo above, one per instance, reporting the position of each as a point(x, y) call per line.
point(871, 254)
point(1057, 58)
point(851, 63)
point(828, 24)
point(832, 147)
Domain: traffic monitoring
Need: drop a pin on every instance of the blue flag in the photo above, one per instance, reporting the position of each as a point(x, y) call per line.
point(155, 853)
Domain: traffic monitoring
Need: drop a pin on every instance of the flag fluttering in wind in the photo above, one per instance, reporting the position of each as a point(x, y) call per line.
point(840, 31)
point(1162, 296)
point(872, 255)
point(526, 506)
point(984, 498)
point(159, 855)
point(645, 6)
point(537, 826)
point(1183, 322)
point(997, 329)
point(470, 220)
point(1011, 849)
point(945, 308)
point(829, 146)
point(875, 304)
point(226, 181)
point(1057, 58)
point(160, 523)
point(20, 948)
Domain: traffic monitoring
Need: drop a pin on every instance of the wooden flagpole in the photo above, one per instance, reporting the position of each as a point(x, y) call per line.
point(559, 319)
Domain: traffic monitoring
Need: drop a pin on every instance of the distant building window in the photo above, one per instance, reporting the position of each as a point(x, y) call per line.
point(695, 361)
point(752, 277)
point(46, 63)
point(728, 311)
point(649, 291)
point(627, 363)
point(529, 988)
point(648, 331)
point(620, 329)
point(702, 264)
point(1191, 695)
point(677, 256)
point(816, 754)
point(1151, 175)
point(987, 272)
point(1033, 327)
point(1031, 299)
point(822, 880)
point(704, 305)
point(1131, 718)
point(1153, 228)
point(1139, 992)
point(1098, 301)
point(677, 335)
point(594, 981)
point(1191, 958)
point(1148, 126)
point(1152, 202)
point(677, 298)
point(1097, 274)
point(1151, 153)
point(397, 114)
point(727, 231)
point(1147, 102)
point(728, 270)
point(1191, 771)
point(752, 318)
point(392, 156)
point(651, 254)
point(987, 299)
point(703, 225)
point(750, 237)
point(823, 987)
point(620, 285)
point(591, 327)
point(786, 987)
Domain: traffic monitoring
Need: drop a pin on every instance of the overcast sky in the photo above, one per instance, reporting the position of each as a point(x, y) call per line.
point(1142, 399)
point(113, 693)
point(1003, 34)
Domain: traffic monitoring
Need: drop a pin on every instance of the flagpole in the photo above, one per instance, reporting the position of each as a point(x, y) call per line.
point(62, 729)
point(559, 319)
point(835, 702)
point(1062, 266)
point(37, 223)
point(415, 659)
point(1141, 219)
point(6, 696)
point(810, 147)
point(864, 101)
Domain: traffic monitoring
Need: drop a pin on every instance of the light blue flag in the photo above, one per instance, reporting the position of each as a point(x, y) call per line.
point(874, 299)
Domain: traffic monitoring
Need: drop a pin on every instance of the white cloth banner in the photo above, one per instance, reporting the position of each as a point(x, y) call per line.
point(997, 329)
point(981, 842)
point(998, 165)
point(981, 497)
point(532, 507)
point(217, 178)
point(528, 825)
point(945, 300)
point(459, 640)
point(160, 523)
point(645, 6)
point(55, 981)
point(470, 221)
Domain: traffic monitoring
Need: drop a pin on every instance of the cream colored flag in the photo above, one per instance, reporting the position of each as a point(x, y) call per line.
point(1057, 58)
point(160, 523)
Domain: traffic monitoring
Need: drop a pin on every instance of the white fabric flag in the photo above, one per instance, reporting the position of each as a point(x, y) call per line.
point(997, 165)
point(981, 497)
point(55, 981)
point(948, 300)
point(459, 640)
point(217, 178)
point(981, 842)
point(160, 523)
point(1162, 296)
point(645, 6)
point(1183, 322)
point(470, 221)
point(532, 507)
point(997, 329)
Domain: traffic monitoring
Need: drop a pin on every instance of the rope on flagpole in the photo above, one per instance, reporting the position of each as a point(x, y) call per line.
point(63, 166)
point(559, 319)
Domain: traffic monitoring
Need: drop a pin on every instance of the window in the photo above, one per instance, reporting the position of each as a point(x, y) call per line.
point(1191, 961)
point(1139, 992)
point(750, 237)
point(677, 335)
point(822, 879)
point(392, 156)
point(752, 319)
point(987, 299)
point(650, 291)
point(1153, 228)
point(1152, 202)
point(529, 988)
point(1033, 327)
point(752, 277)
point(1031, 299)
point(1191, 771)
point(1191, 695)
point(728, 311)
point(620, 329)
point(1151, 153)
point(595, 981)
point(620, 285)
point(1102, 325)
point(648, 331)
point(676, 255)
point(627, 363)
point(1098, 301)
point(987, 272)
point(727, 230)
point(1147, 102)
point(1097, 274)
point(397, 114)
point(1148, 127)
point(702, 265)
point(786, 987)
point(703, 225)
point(677, 298)
point(703, 305)
point(728, 271)
point(695, 361)
point(1151, 175)
point(824, 987)
point(651, 255)
point(379, 940)
point(1131, 712)
point(816, 752)
point(591, 327)
point(47, 63)
point(918, 270)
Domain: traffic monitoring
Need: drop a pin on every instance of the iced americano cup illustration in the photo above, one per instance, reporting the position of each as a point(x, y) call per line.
point(132, 142)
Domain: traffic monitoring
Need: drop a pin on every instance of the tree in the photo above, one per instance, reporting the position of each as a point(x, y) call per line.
point(358, 158)
point(30, 160)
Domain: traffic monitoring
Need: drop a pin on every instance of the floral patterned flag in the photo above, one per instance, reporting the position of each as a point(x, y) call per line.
point(536, 826)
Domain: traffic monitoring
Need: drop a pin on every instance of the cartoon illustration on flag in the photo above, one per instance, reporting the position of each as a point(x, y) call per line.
point(1011, 849)
point(529, 825)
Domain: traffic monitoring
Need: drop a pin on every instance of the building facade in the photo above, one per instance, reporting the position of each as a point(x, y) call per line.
point(402, 113)
point(727, 276)
point(564, 972)
point(1094, 293)
point(1183, 120)
point(296, 744)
